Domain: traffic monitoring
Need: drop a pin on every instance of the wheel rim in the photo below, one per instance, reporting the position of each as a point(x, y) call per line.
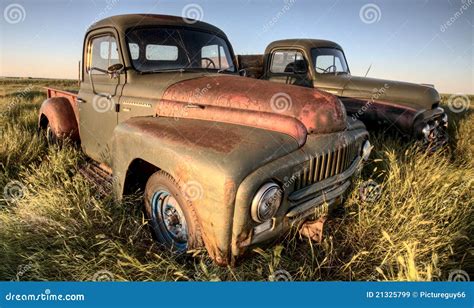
point(168, 220)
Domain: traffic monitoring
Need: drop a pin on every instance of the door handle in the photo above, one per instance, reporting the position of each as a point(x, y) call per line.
point(80, 100)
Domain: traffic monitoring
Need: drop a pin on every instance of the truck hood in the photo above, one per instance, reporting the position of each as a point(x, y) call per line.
point(409, 95)
point(292, 110)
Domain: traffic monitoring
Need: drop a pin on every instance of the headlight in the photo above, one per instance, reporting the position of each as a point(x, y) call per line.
point(266, 202)
point(426, 130)
point(366, 149)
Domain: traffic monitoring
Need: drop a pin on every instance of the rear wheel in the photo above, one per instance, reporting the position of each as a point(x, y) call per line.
point(51, 136)
point(171, 216)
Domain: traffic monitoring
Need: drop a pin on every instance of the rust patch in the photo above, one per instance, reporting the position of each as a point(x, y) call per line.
point(209, 136)
point(258, 103)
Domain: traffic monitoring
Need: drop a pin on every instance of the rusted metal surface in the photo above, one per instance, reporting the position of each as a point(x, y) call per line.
point(219, 133)
point(318, 111)
point(313, 229)
point(218, 156)
point(375, 101)
point(61, 117)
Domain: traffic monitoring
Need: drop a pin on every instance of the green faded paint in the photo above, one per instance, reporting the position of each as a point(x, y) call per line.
point(222, 162)
point(370, 99)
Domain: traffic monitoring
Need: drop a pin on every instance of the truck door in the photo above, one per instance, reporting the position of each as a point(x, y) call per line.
point(290, 67)
point(99, 94)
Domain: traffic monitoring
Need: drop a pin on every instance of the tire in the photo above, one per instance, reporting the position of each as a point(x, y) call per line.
point(170, 214)
point(51, 136)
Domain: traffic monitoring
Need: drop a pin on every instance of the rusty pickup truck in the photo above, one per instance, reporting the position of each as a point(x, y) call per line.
point(410, 109)
point(221, 165)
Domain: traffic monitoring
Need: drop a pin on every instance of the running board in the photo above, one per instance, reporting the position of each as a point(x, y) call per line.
point(99, 175)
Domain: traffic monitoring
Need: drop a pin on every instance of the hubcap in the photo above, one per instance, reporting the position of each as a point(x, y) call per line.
point(168, 219)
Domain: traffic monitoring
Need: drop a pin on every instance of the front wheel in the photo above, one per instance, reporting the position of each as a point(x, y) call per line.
point(171, 216)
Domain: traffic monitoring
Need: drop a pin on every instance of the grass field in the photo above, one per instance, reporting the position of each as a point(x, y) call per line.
point(57, 228)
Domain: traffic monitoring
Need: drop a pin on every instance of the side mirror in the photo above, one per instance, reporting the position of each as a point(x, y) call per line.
point(114, 70)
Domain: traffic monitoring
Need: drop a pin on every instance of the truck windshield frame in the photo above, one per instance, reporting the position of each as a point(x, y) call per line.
point(163, 49)
point(333, 68)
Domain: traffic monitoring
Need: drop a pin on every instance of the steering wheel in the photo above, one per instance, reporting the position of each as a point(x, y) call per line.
point(209, 63)
point(325, 70)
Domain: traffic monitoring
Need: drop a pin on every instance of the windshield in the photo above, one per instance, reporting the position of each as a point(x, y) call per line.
point(329, 61)
point(164, 49)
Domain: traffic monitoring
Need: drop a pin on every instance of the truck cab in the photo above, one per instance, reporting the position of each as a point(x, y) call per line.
point(222, 161)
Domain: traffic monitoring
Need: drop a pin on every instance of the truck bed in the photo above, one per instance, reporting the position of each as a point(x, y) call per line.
point(70, 95)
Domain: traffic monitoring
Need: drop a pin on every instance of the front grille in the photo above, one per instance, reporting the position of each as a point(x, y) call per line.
point(326, 165)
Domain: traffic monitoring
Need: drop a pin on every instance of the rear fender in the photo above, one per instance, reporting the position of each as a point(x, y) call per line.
point(58, 112)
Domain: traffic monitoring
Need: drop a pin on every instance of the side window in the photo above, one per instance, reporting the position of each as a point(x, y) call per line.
point(134, 50)
point(216, 54)
point(287, 62)
point(103, 53)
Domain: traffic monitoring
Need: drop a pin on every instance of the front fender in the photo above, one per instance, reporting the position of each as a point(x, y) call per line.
point(209, 159)
point(61, 117)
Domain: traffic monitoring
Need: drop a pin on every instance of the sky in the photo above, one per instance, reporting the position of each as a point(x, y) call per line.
point(421, 41)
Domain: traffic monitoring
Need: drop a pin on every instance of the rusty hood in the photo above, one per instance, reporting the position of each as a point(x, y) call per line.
point(295, 111)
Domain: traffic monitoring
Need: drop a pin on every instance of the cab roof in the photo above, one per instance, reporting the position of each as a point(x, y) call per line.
point(302, 43)
point(129, 21)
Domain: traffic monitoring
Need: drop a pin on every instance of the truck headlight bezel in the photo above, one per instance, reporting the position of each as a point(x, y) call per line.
point(266, 202)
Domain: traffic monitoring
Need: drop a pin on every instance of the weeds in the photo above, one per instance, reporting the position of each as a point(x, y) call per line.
point(54, 227)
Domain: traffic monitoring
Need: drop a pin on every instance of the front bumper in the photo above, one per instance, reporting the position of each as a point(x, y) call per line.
point(313, 178)
point(431, 128)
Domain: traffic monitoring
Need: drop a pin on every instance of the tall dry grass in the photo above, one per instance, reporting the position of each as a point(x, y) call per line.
point(420, 227)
